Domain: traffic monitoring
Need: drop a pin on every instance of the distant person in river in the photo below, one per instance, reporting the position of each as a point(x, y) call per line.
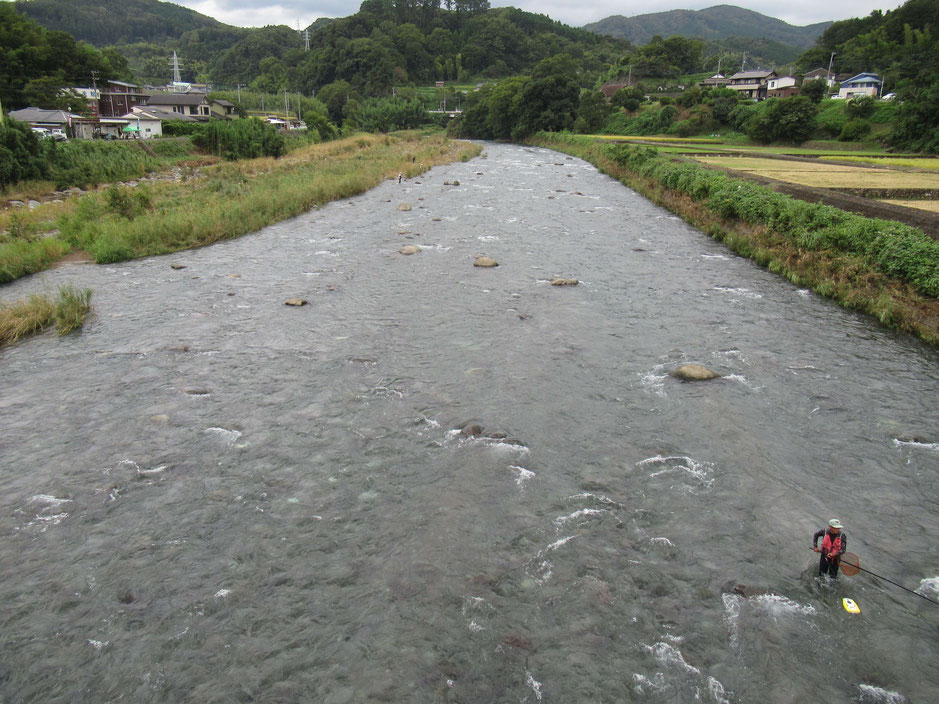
point(834, 544)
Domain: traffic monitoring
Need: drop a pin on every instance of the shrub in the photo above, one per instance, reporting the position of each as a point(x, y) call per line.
point(863, 106)
point(240, 139)
point(127, 202)
point(855, 130)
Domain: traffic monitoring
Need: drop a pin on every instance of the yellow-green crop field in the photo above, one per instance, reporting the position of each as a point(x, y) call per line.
point(930, 205)
point(918, 163)
point(820, 175)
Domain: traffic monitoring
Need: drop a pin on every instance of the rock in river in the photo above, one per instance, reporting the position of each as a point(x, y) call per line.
point(564, 282)
point(485, 262)
point(404, 207)
point(410, 249)
point(296, 302)
point(694, 372)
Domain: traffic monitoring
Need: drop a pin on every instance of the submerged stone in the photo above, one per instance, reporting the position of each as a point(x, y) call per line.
point(404, 207)
point(410, 249)
point(485, 262)
point(564, 282)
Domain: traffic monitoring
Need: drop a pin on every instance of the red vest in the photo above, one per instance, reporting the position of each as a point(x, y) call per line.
point(831, 544)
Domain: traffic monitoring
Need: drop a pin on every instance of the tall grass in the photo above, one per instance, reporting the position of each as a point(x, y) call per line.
point(21, 257)
point(240, 197)
point(40, 311)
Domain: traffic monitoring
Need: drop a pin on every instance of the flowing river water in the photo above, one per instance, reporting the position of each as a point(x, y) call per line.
point(209, 496)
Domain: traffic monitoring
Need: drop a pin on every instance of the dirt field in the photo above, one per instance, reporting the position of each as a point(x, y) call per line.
point(823, 175)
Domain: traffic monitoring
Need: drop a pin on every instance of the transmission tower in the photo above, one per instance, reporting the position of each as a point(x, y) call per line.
point(176, 77)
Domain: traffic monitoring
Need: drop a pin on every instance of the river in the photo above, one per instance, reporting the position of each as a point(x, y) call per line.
point(209, 496)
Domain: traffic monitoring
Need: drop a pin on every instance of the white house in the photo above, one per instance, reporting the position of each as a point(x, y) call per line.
point(780, 83)
point(861, 85)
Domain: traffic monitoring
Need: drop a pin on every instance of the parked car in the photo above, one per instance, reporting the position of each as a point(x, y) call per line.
point(58, 134)
point(41, 131)
point(889, 96)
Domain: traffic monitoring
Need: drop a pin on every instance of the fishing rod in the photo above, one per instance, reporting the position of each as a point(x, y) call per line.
point(851, 561)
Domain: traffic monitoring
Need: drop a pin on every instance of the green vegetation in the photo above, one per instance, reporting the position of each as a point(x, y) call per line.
point(241, 139)
point(25, 157)
point(885, 268)
point(33, 315)
point(234, 198)
point(35, 63)
point(116, 21)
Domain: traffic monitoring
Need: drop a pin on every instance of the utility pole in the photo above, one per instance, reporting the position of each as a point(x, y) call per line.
point(719, 57)
point(239, 93)
point(299, 114)
point(830, 60)
point(286, 106)
point(743, 61)
point(3, 120)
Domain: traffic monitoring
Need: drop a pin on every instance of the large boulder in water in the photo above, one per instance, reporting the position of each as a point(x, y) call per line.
point(485, 262)
point(694, 372)
point(410, 249)
point(404, 207)
point(564, 282)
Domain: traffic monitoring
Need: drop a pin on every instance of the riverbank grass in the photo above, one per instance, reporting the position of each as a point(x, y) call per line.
point(232, 199)
point(67, 312)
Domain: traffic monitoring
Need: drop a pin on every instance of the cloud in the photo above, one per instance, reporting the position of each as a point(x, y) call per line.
point(256, 13)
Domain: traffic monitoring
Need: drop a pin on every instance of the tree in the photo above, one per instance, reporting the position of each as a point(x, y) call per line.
point(591, 112)
point(551, 98)
point(815, 90)
point(784, 120)
point(334, 96)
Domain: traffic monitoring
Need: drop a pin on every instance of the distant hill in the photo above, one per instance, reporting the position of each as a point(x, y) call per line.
point(712, 23)
point(104, 22)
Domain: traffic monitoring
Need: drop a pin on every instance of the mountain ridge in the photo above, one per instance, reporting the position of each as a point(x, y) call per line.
point(710, 23)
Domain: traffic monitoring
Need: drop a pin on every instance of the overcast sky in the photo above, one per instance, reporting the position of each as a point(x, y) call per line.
point(257, 13)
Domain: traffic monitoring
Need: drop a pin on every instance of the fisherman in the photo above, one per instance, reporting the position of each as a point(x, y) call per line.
point(833, 546)
point(400, 176)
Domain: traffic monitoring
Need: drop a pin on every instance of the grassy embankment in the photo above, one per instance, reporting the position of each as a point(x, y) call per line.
point(227, 200)
point(883, 268)
point(66, 311)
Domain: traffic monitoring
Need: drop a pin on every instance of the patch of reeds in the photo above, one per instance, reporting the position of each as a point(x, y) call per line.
point(31, 316)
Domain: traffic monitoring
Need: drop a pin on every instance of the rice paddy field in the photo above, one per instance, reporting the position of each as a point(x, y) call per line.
point(823, 175)
point(912, 162)
point(931, 206)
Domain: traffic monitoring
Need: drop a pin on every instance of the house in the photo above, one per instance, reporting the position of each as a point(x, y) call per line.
point(782, 87)
point(819, 74)
point(193, 104)
point(39, 118)
point(149, 120)
point(863, 84)
point(609, 90)
point(718, 80)
point(751, 84)
point(222, 108)
point(119, 98)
